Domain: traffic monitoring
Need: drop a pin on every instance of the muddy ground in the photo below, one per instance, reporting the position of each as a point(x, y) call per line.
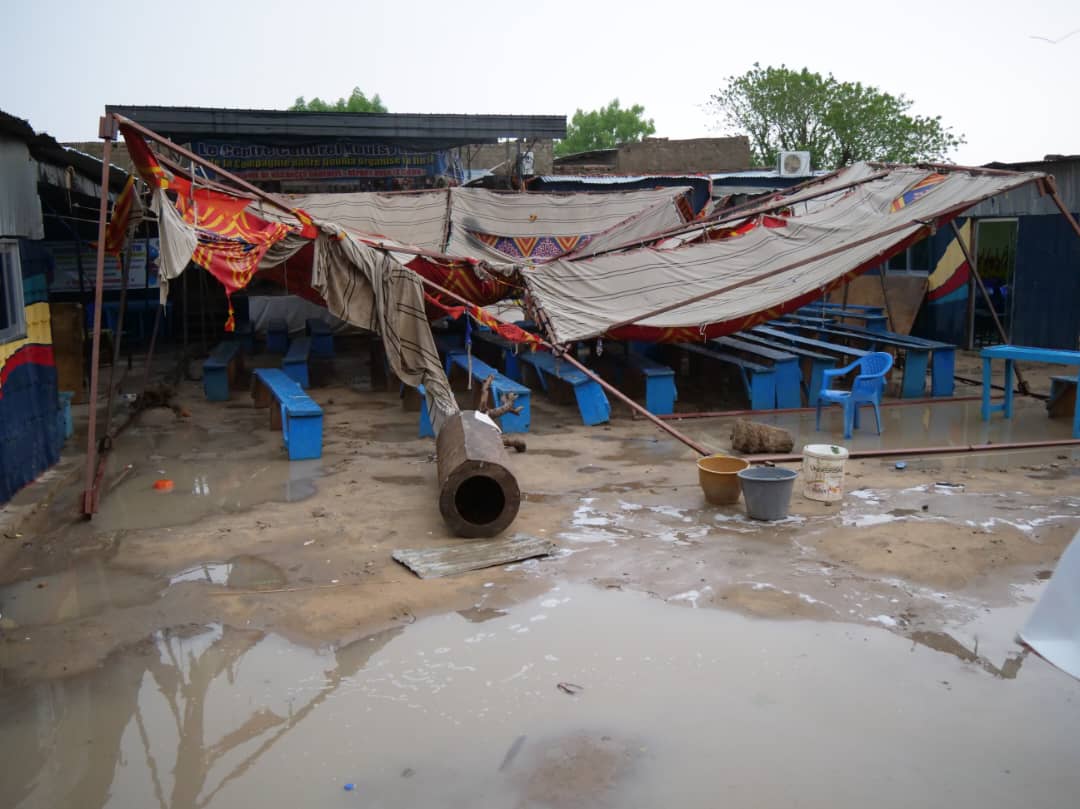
point(945, 555)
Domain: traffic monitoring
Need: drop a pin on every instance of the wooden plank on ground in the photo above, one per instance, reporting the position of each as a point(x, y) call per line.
point(906, 293)
point(470, 554)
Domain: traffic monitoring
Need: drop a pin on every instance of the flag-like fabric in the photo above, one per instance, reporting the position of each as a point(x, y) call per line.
point(116, 230)
point(952, 271)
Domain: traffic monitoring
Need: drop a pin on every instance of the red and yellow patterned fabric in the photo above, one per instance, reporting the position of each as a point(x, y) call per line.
point(116, 231)
point(507, 330)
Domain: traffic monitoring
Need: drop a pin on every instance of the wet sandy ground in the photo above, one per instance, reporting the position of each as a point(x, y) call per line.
point(164, 653)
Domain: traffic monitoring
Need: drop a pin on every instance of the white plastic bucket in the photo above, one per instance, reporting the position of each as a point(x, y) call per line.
point(823, 472)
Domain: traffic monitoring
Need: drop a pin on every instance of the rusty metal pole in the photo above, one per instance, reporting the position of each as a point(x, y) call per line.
point(1020, 381)
point(700, 449)
point(106, 131)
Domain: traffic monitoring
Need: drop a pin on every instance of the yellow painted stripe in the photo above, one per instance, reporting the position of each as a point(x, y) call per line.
point(38, 330)
point(951, 260)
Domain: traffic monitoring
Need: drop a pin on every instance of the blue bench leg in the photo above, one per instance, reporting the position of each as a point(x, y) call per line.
point(1008, 389)
point(850, 415)
point(592, 403)
point(817, 377)
point(660, 395)
point(514, 422)
point(512, 365)
point(914, 384)
point(762, 390)
point(426, 430)
point(788, 387)
point(298, 373)
point(216, 384)
point(1076, 414)
point(303, 436)
point(942, 370)
point(986, 389)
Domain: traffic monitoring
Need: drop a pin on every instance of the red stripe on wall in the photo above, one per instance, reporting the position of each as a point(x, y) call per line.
point(34, 353)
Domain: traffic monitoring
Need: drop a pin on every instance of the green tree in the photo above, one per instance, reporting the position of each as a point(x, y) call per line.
point(357, 102)
point(838, 122)
point(605, 128)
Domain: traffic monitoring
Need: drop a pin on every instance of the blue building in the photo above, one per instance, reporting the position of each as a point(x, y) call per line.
point(38, 176)
point(1027, 254)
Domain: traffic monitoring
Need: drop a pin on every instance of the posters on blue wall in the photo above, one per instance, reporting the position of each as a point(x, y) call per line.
point(65, 276)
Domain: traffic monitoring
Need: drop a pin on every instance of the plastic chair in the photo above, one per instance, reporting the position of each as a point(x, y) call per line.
point(867, 388)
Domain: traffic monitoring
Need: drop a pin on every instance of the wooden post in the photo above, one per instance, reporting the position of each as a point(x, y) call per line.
point(106, 131)
point(478, 494)
point(970, 258)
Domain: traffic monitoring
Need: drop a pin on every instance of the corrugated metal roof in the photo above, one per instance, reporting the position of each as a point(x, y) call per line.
point(615, 179)
point(1026, 201)
point(417, 130)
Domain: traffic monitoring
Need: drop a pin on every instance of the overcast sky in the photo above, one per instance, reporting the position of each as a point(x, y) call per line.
point(975, 64)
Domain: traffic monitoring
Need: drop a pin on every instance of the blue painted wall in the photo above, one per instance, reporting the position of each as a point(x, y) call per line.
point(1045, 288)
point(30, 433)
point(1047, 284)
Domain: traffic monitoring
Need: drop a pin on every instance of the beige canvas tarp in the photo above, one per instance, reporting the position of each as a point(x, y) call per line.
point(758, 275)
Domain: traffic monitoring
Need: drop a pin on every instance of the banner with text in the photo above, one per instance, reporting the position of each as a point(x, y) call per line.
point(65, 277)
point(326, 160)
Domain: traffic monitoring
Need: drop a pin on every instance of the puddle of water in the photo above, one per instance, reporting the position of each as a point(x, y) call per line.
point(678, 707)
point(202, 488)
point(951, 503)
point(92, 586)
point(82, 590)
point(239, 573)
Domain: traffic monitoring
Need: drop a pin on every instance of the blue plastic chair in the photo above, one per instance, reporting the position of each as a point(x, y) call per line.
point(867, 388)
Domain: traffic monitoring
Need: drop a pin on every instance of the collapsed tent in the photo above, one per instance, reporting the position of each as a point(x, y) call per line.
point(726, 276)
point(625, 265)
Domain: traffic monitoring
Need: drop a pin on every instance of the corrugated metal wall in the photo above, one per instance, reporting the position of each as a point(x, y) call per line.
point(1025, 201)
point(20, 208)
point(1046, 287)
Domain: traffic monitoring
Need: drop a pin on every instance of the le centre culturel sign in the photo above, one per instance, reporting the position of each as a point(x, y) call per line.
point(324, 160)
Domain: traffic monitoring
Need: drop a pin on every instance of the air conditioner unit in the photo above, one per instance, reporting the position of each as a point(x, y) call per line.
point(794, 164)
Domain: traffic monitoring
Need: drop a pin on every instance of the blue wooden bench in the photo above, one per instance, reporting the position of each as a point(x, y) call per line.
point(297, 415)
point(511, 365)
point(814, 363)
point(277, 336)
point(872, 317)
point(659, 379)
point(785, 336)
point(220, 371)
point(322, 338)
point(295, 361)
point(244, 336)
point(785, 363)
point(918, 354)
point(591, 401)
point(1011, 354)
point(500, 387)
point(942, 360)
point(758, 380)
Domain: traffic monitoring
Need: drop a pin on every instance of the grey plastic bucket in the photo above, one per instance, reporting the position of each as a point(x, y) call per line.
point(767, 491)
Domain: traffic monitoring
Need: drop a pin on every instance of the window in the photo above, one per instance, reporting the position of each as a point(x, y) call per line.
point(12, 314)
point(915, 260)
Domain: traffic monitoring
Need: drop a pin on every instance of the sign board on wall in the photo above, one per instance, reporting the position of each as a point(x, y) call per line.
point(65, 276)
point(326, 160)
